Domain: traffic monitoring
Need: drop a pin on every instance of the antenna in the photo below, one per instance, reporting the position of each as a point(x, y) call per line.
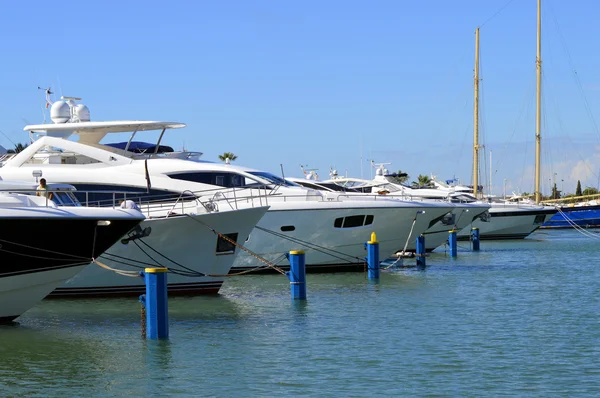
point(48, 101)
point(311, 174)
point(361, 157)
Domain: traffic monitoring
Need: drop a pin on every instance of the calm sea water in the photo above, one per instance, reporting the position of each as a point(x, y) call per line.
point(518, 318)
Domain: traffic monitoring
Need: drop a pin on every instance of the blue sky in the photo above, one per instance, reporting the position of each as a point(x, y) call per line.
point(320, 82)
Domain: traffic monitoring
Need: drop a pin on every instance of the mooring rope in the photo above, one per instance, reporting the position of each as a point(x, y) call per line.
point(410, 233)
point(312, 246)
point(578, 228)
point(228, 239)
point(46, 251)
point(134, 274)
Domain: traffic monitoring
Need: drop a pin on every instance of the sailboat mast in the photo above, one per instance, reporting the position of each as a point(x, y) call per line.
point(538, 111)
point(476, 116)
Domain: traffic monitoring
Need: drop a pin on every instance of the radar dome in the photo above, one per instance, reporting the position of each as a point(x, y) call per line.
point(81, 113)
point(379, 172)
point(60, 112)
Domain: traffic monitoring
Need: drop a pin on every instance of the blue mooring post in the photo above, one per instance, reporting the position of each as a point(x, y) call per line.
point(373, 257)
point(421, 250)
point(297, 274)
point(475, 238)
point(155, 301)
point(452, 243)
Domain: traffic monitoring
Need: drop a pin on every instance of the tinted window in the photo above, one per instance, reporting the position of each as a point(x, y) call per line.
point(287, 228)
point(225, 246)
point(309, 185)
point(272, 178)
point(336, 187)
point(221, 179)
point(354, 221)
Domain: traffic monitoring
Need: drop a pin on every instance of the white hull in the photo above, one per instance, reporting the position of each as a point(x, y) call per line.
point(179, 238)
point(21, 292)
point(511, 221)
point(437, 235)
point(327, 247)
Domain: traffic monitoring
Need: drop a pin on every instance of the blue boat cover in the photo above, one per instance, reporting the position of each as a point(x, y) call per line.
point(141, 147)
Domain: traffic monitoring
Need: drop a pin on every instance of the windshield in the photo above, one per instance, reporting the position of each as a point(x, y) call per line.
point(272, 178)
point(335, 187)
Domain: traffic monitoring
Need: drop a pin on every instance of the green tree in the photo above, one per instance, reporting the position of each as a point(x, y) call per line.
point(422, 181)
point(228, 155)
point(18, 148)
point(589, 191)
point(402, 177)
point(555, 192)
point(578, 190)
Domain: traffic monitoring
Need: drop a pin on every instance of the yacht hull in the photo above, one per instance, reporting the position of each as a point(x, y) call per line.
point(39, 253)
point(174, 242)
point(436, 236)
point(572, 217)
point(510, 222)
point(329, 248)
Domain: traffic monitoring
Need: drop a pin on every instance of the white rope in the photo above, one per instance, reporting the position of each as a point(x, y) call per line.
point(578, 228)
point(133, 274)
point(410, 233)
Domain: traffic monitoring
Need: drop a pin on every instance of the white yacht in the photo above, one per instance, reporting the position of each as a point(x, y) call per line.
point(331, 230)
point(42, 245)
point(506, 220)
point(462, 215)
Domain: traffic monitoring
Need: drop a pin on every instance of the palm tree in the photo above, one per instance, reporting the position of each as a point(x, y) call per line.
point(402, 176)
point(18, 148)
point(228, 155)
point(422, 181)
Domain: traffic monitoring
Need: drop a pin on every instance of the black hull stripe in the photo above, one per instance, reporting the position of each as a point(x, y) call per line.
point(523, 213)
point(8, 319)
point(199, 288)
point(64, 242)
point(497, 237)
point(39, 270)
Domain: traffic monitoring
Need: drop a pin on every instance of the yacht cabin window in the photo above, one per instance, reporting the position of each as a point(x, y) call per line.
point(273, 179)
point(224, 179)
point(353, 221)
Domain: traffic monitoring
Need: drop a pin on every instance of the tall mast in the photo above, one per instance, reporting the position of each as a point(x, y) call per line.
point(538, 111)
point(476, 116)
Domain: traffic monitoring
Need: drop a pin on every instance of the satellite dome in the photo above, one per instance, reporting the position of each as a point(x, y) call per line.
point(60, 112)
point(81, 113)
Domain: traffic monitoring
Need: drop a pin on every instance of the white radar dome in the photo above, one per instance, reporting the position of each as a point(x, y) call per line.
point(60, 112)
point(81, 112)
point(379, 172)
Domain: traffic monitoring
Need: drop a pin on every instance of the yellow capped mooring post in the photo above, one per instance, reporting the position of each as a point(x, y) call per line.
point(475, 238)
point(420, 250)
point(372, 247)
point(452, 243)
point(297, 274)
point(155, 301)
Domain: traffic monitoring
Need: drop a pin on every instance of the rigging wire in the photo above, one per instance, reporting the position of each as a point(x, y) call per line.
point(496, 13)
point(575, 74)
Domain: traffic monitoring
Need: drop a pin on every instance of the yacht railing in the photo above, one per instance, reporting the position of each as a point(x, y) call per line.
point(188, 201)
